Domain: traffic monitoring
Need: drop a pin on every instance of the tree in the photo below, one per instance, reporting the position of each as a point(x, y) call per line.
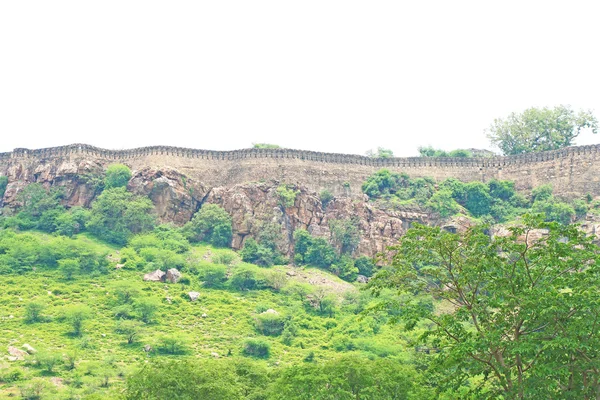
point(128, 328)
point(211, 224)
point(540, 129)
point(117, 215)
point(3, 185)
point(68, 267)
point(33, 312)
point(76, 315)
point(380, 153)
point(524, 309)
point(146, 309)
point(117, 175)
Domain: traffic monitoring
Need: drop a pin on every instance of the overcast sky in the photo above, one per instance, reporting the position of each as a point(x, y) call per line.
point(336, 76)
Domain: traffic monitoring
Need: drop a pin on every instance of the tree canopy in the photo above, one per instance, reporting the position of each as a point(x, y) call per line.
point(521, 311)
point(540, 129)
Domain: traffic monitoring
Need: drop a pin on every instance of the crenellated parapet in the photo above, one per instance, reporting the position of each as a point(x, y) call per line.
point(573, 171)
point(313, 156)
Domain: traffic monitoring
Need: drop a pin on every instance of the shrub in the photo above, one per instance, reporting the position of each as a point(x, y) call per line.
point(129, 329)
point(257, 254)
point(345, 234)
point(47, 360)
point(146, 308)
point(211, 224)
point(68, 267)
point(443, 203)
point(171, 344)
point(257, 348)
point(33, 312)
point(12, 375)
point(75, 316)
point(326, 197)
point(117, 175)
point(287, 196)
point(214, 275)
point(365, 265)
point(3, 184)
point(245, 278)
point(269, 324)
point(117, 215)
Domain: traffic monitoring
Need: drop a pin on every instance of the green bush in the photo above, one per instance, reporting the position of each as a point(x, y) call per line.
point(117, 175)
point(325, 197)
point(117, 215)
point(172, 344)
point(211, 224)
point(443, 204)
point(214, 275)
point(287, 196)
point(269, 324)
point(257, 254)
point(246, 278)
point(3, 184)
point(257, 348)
point(33, 312)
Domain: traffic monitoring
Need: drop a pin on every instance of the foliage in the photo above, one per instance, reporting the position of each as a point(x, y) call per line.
point(313, 250)
point(428, 151)
point(443, 204)
point(350, 377)
point(265, 146)
point(190, 379)
point(214, 275)
point(365, 265)
point(146, 308)
point(3, 184)
point(212, 224)
point(128, 328)
point(116, 215)
point(269, 324)
point(173, 344)
point(326, 197)
point(287, 195)
point(380, 153)
point(345, 234)
point(33, 312)
point(47, 360)
point(76, 316)
point(117, 175)
point(522, 317)
point(257, 348)
point(538, 129)
point(257, 254)
point(246, 278)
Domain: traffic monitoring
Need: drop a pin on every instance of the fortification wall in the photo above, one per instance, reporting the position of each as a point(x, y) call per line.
point(573, 171)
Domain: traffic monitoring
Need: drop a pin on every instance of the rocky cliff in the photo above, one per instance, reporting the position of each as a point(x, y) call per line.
point(244, 182)
point(252, 205)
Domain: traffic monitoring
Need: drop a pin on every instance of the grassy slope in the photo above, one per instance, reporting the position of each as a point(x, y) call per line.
point(228, 323)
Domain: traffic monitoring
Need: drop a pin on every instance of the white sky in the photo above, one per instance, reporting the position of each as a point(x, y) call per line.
point(337, 76)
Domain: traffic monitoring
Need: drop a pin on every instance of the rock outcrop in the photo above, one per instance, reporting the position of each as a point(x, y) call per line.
point(173, 275)
point(155, 276)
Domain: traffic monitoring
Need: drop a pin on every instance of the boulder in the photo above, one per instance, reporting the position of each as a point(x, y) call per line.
point(173, 275)
point(29, 349)
point(156, 276)
point(18, 354)
point(270, 311)
point(194, 295)
point(204, 315)
point(362, 279)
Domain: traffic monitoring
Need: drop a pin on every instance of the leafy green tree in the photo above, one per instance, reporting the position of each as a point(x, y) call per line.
point(126, 292)
point(365, 265)
point(477, 198)
point(257, 254)
point(245, 278)
point(212, 224)
point(186, 379)
point(3, 185)
point(33, 312)
point(214, 275)
point(380, 153)
point(523, 317)
point(173, 344)
point(345, 234)
point(117, 175)
point(287, 196)
point(146, 308)
point(76, 316)
point(298, 290)
point(326, 197)
point(68, 267)
point(129, 329)
point(48, 360)
point(265, 146)
point(257, 348)
point(443, 203)
point(538, 129)
point(429, 151)
point(269, 324)
point(117, 215)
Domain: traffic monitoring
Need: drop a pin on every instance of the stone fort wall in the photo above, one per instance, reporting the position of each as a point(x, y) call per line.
point(573, 171)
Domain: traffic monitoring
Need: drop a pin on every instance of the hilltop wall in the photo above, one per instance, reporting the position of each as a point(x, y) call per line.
point(573, 171)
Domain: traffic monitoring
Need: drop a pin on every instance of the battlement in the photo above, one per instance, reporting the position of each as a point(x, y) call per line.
point(573, 171)
point(338, 158)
